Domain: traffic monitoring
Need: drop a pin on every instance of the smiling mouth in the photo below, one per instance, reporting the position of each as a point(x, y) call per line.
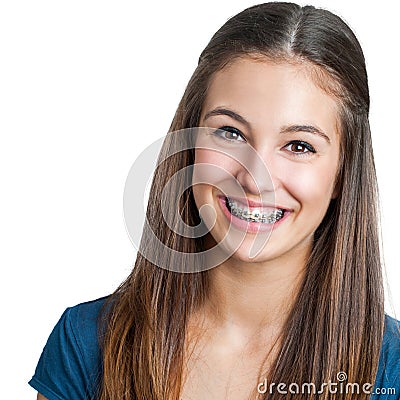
point(264, 215)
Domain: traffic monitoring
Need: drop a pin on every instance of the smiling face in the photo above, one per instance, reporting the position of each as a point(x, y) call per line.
point(292, 125)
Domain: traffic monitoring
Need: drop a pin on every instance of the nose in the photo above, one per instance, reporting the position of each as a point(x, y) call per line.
point(256, 175)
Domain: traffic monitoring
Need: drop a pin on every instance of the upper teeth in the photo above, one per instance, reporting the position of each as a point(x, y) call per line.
point(255, 215)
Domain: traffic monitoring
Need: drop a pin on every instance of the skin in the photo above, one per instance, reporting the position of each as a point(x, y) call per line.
point(229, 338)
point(250, 298)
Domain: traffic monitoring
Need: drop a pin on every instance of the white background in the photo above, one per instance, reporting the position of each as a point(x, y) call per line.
point(85, 86)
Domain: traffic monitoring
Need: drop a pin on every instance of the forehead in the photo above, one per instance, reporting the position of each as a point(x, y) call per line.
point(273, 94)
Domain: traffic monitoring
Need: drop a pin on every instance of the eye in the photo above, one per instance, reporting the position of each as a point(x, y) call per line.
point(298, 147)
point(230, 133)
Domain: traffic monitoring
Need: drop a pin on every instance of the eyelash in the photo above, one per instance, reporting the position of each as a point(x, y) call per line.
point(310, 149)
point(230, 129)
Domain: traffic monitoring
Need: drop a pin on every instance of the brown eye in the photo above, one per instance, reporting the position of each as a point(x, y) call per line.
point(299, 147)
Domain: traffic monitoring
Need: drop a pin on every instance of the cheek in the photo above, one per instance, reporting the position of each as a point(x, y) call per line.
point(212, 167)
point(311, 185)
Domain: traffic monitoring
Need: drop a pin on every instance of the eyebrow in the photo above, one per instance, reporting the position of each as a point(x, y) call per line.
point(285, 129)
point(229, 113)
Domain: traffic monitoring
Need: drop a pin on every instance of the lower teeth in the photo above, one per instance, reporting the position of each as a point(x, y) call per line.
point(268, 219)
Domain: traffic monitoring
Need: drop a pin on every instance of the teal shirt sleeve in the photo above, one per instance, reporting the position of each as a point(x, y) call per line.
point(70, 364)
point(387, 383)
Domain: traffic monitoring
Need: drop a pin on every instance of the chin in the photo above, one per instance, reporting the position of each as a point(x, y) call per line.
point(265, 255)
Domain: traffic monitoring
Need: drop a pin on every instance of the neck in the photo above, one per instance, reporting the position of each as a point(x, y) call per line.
point(255, 296)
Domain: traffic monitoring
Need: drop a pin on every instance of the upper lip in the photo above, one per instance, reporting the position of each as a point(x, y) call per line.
point(252, 203)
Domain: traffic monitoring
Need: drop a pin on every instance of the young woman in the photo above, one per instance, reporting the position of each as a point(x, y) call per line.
point(281, 173)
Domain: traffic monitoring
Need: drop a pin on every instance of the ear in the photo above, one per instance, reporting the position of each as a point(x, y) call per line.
point(337, 185)
point(335, 192)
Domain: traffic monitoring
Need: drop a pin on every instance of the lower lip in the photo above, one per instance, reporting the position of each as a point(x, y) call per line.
point(250, 227)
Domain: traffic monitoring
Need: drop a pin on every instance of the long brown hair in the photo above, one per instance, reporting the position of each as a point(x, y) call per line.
point(336, 323)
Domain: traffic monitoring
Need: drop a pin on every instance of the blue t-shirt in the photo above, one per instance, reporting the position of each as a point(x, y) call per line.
point(70, 365)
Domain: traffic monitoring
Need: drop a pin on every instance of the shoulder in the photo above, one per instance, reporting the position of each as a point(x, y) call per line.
point(70, 363)
point(390, 353)
point(83, 318)
point(82, 321)
point(387, 384)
